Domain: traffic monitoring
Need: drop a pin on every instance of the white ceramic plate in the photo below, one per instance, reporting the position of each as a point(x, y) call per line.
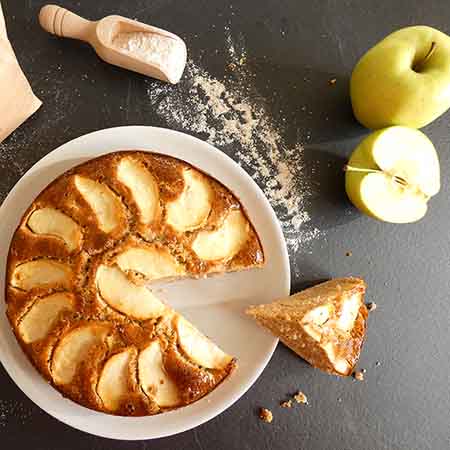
point(214, 305)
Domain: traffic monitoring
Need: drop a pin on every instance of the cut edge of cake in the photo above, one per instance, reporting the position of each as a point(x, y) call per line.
point(324, 324)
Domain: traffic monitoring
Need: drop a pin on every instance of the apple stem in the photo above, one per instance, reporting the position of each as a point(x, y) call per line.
point(399, 180)
point(348, 168)
point(419, 65)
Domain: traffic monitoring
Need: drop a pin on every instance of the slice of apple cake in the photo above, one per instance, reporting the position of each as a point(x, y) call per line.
point(325, 324)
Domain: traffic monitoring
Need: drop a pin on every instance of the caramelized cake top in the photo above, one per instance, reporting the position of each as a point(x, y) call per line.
point(79, 269)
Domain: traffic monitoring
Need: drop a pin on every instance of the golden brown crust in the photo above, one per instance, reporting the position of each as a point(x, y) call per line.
point(194, 382)
point(285, 319)
point(98, 247)
point(351, 348)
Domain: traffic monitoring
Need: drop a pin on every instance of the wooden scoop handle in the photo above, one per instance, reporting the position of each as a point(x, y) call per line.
point(62, 22)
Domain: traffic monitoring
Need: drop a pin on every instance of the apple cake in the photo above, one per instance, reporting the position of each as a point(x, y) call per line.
point(325, 324)
point(80, 271)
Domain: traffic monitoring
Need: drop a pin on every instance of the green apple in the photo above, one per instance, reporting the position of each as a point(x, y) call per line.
point(403, 80)
point(392, 174)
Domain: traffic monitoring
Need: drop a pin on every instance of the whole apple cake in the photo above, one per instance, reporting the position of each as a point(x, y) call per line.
point(80, 271)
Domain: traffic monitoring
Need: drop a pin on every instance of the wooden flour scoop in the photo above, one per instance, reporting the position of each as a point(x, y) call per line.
point(123, 42)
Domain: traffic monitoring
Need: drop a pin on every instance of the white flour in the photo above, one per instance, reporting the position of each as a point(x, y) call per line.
point(231, 112)
point(154, 48)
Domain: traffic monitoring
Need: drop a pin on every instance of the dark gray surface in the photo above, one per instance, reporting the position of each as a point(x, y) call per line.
point(404, 402)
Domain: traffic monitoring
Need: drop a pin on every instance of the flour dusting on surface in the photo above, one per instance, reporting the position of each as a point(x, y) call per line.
point(230, 112)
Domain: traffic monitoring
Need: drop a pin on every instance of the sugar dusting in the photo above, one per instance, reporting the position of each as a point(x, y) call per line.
point(231, 112)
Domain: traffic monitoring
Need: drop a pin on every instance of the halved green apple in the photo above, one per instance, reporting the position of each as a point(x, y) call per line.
point(392, 174)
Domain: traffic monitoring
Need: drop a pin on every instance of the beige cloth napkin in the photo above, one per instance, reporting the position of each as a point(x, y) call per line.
point(17, 101)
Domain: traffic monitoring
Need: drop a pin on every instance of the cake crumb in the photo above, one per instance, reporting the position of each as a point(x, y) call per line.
point(371, 306)
point(359, 375)
point(286, 404)
point(266, 415)
point(349, 253)
point(332, 82)
point(300, 397)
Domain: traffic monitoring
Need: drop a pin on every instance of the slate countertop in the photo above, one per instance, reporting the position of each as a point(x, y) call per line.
point(404, 402)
